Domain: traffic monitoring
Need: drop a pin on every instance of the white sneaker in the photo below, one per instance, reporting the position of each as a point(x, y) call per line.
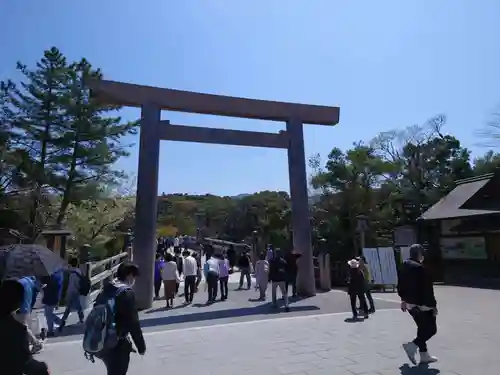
point(411, 351)
point(425, 357)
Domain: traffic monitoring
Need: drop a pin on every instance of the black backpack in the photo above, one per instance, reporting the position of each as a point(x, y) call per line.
point(85, 284)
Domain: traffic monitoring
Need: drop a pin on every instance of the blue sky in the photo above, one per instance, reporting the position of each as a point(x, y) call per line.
point(387, 64)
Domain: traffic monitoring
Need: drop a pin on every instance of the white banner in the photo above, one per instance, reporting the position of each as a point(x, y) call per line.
point(388, 265)
point(371, 256)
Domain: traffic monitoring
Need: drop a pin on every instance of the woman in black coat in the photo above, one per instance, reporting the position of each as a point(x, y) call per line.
point(357, 288)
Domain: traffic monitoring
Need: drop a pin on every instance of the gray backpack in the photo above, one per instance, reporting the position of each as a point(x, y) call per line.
point(100, 328)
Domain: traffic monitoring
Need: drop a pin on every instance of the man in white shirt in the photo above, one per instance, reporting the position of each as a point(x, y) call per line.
point(211, 271)
point(190, 270)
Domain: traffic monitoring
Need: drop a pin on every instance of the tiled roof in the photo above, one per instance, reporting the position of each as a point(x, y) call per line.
point(450, 205)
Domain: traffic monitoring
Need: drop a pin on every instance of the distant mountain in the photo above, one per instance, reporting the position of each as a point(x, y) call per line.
point(312, 198)
point(241, 196)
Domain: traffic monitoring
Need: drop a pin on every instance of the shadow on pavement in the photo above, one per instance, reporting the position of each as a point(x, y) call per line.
point(354, 320)
point(265, 309)
point(418, 370)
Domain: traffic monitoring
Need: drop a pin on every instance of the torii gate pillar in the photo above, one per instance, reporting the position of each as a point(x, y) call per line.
point(301, 222)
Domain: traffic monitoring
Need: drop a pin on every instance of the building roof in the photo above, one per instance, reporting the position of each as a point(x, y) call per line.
point(450, 205)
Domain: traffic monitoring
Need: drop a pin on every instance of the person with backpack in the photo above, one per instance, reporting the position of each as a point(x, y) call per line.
point(15, 354)
point(114, 340)
point(278, 277)
point(78, 285)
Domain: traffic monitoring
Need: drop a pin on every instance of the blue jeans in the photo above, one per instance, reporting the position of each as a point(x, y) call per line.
point(51, 318)
point(73, 303)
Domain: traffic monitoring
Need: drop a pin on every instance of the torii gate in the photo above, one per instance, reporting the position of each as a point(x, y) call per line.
point(152, 100)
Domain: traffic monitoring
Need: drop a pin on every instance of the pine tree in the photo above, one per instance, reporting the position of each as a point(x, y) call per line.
point(37, 117)
point(67, 142)
point(91, 141)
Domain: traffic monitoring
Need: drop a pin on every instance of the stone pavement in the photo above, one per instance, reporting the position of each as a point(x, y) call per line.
point(241, 306)
point(466, 343)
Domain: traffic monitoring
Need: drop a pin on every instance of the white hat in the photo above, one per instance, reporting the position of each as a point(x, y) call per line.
point(353, 263)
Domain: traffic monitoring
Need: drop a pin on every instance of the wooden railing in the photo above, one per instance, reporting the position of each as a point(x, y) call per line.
point(102, 272)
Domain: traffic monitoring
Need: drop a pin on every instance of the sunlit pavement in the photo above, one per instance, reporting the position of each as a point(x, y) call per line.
point(315, 343)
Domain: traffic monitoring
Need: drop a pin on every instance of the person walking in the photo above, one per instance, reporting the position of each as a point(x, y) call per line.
point(51, 297)
point(244, 264)
point(190, 268)
point(416, 290)
point(363, 265)
point(262, 276)
point(73, 301)
point(270, 253)
point(356, 288)
point(24, 314)
point(126, 320)
point(211, 272)
point(291, 272)
point(277, 276)
point(15, 355)
point(199, 274)
point(158, 280)
point(179, 262)
point(170, 277)
point(223, 276)
point(231, 256)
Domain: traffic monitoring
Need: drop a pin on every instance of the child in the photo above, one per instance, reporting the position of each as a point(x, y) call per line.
point(262, 276)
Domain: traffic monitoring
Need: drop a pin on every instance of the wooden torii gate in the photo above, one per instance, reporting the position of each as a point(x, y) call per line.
point(152, 100)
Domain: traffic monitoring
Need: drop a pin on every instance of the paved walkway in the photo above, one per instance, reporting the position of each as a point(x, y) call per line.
point(241, 306)
point(317, 344)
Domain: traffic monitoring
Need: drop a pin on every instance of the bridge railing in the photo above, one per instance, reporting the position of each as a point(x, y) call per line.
point(101, 272)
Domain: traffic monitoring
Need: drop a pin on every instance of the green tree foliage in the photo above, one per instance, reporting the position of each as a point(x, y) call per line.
point(90, 144)
point(57, 144)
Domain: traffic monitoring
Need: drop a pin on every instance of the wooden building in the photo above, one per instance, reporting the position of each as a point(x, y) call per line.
point(463, 231)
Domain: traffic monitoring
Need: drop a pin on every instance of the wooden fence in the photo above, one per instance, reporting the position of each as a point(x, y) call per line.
point(102, 272)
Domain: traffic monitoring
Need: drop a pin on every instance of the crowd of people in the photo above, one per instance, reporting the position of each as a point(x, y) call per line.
point(112, 328)
point(274, 267)
point(18, 344)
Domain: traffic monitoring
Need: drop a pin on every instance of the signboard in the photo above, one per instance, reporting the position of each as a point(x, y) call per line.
point(464, 248)
point(405, 235)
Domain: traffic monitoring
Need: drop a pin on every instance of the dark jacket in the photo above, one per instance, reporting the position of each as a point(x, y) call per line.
point(53, 289)
point(126, 315)
point(15, 355)
point(415, 285)
point(244, 261)
point(277, 270)
point(357, 281)
point(291, 265)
